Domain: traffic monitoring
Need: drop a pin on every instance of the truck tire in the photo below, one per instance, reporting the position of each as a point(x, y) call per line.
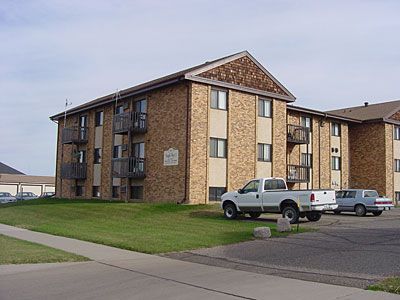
point(230, 211)
point(360, 210)
point(254, 215)
point(377, 213)
point(291, 213)
point(313, 216)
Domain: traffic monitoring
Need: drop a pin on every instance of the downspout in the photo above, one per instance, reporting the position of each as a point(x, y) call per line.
point(62, 156)
point(187, 145)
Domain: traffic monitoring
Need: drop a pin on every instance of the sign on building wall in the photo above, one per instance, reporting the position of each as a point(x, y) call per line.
point(171, 157)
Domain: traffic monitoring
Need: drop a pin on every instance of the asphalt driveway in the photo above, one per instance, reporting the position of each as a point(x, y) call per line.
point(346, 250)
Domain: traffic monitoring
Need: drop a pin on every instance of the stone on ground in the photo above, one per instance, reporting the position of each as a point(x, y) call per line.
point(283, 225)
point(262, 232)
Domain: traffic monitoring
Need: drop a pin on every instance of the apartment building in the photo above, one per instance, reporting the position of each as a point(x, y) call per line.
point(375, 146)
point(190, 136)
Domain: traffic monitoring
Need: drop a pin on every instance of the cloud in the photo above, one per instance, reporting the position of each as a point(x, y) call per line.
point(329, 54)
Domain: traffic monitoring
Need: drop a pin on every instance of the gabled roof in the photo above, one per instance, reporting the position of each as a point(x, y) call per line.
point(369, 112)
point(4, 169)
point(320, 113)
point(187, 74)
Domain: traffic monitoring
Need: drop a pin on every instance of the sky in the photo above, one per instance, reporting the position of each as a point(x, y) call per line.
point(329, 54)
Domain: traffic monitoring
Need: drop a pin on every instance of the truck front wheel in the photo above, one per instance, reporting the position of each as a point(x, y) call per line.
point(291, 213)
point(313, 216)
point(230, 211)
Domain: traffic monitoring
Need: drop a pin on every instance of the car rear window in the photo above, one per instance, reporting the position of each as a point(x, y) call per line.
point(373, 194)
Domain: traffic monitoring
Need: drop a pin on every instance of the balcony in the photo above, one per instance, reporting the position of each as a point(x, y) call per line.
point(130, 121)
point(76, 135)
point(73, 170)
point(298, 134)
point(128, 167)
point(296, 173)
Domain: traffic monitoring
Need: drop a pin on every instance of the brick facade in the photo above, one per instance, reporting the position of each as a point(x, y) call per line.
point(178, 116)
point(241, 139)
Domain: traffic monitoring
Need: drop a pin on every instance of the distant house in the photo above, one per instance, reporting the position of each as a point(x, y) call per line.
point(14, 181)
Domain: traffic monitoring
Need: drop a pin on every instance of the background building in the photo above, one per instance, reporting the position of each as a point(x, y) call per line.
point(14, 181)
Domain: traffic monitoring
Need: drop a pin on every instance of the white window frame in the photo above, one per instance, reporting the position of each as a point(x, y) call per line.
point(264, 152)
point(220, 146)
point(336, 163)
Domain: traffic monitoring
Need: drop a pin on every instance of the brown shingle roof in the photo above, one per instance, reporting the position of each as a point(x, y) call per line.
point(370, 112)
point(4, 169)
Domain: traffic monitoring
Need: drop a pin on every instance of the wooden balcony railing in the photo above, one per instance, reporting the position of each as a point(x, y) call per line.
point(298, 134)
point(73, 170)
point(77, 135)
point(131, 167)
point(130, 121)
point(296, 173)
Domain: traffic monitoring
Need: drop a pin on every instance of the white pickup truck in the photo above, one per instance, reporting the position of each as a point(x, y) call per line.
point(271, 195)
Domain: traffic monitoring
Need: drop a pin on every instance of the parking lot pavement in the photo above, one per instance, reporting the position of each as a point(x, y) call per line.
point(346, 250)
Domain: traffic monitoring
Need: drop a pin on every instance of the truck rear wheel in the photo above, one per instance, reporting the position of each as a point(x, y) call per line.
point(313, 216)
point(254, 215)
point(291, 213)
point(230, 211)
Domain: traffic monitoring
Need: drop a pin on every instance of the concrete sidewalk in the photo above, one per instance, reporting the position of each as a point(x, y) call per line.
point(120, 274)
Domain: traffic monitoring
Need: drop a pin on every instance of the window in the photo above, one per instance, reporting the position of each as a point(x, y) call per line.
point(349, 194)
point(264, 108)
point(339, 194)
point(141, 106)
point(117, 151)
point(335, 129)
point(305, 122)
point(99, 118)
point(83, 121)
point(96, 191)
point(397, 132)
point(252, 186)
point(97, 155)
point(138, 150)
point(373, 194)
point(274, 184)
point(215, 193)
point(306, 159)
point(81, 156)
point(217, 147)
point(397, 165)
point(115, 191)
point(119, 109)
point(336, 163)
point(219, 99)
point(264, 152)
point(137, 192)
point(79, 191)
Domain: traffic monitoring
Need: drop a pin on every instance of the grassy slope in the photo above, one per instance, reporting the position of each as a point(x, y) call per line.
point(150, 228)
point(389, 285)
point(14, 251)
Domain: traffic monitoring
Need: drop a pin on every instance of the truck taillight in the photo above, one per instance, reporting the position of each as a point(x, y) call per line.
point(312, 197)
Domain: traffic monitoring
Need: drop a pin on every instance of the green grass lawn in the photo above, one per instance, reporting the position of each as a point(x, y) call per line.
point(15, 251)
point(143, 227)
point(389, 285)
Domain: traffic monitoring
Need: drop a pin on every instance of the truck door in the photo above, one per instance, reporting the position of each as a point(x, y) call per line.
point(249, 199)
